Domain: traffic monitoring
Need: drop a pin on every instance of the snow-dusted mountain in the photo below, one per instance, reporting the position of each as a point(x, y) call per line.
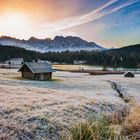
point(59, 43)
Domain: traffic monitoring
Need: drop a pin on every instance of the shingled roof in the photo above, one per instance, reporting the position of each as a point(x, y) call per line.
point(38, 67)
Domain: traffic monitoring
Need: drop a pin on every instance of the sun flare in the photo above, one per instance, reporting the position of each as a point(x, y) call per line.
point(15, 24)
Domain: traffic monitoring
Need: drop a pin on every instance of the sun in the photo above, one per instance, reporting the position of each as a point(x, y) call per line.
point(14, 24)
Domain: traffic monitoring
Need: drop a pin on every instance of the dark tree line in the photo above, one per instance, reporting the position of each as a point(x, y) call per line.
point(95, 58)
point(124, 57)
point(8, 52)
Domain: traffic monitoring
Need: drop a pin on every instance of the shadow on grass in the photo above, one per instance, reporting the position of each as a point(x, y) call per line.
point(26, 79)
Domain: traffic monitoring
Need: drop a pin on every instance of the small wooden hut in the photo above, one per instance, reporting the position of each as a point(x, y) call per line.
point(36, 71)
point(129, 74)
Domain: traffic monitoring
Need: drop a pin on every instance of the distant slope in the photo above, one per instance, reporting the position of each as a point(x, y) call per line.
point(128, 56)
point(127, 50)
point(59, 43)
point(130, 49)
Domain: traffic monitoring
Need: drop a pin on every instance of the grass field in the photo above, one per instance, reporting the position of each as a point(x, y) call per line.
point(46, 109)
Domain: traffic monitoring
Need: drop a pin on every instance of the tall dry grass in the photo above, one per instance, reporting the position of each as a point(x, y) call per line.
point(105, 129)
point(132, 124)
point(96, 129)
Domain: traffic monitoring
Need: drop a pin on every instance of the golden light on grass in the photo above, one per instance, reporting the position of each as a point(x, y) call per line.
point(132, 123)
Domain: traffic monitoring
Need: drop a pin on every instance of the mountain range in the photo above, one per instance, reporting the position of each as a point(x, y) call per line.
point(58, 44)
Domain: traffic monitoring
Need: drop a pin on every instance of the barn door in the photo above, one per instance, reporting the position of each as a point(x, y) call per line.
point(41, 77)
point(37, 77)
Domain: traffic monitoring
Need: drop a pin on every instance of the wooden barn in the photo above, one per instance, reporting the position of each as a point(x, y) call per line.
point(36, 71)
point(129, 74)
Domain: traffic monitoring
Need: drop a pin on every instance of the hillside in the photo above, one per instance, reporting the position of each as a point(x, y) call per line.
point(128, 56)
point(128, 49)
point(58, 44)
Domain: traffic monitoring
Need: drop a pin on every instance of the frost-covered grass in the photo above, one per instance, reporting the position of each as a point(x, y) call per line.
point(44, 109)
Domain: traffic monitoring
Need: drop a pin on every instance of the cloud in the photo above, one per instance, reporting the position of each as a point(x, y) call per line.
point(129, 19)
point(83, 19)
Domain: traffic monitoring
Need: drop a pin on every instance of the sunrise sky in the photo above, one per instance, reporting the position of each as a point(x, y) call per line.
point(110, 23)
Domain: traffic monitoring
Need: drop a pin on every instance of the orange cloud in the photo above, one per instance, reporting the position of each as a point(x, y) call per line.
point(40, 9)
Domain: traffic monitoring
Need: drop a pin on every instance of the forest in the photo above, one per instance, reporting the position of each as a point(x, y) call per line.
point(128, 57)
